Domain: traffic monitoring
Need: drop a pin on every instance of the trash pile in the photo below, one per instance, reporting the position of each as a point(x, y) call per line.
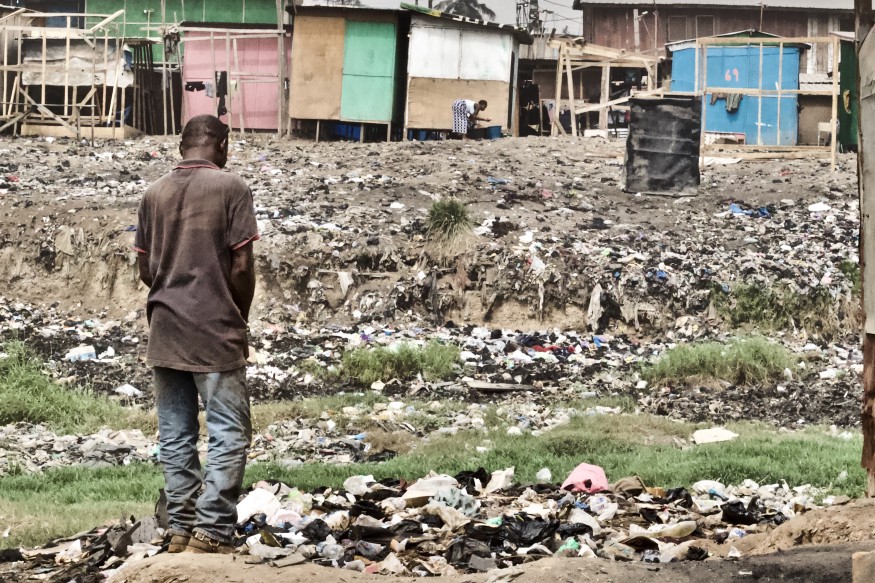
point(33, 448)
point(475, 521)
point(497, 365)
point(570, 284)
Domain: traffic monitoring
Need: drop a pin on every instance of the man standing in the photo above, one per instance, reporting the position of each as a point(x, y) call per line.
point(194, 243)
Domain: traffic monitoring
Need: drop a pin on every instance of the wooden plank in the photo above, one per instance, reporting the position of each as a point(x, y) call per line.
point(560, 62)
point(704, 97)
point(281, 74)
point(13, 15)
point(239, 88)
point(4, 42)
point(103, 22)
point(60, 131)
point(604, 98)
point(835, 102)
point(823, 153)
point(572, 113)
point(619, 101)
point(760, 102)
point(780, 86)
point(43, 75)
point(67, 69)
point(47, 113)
point(215, 80)
point(15, 120)
point(105, 72)
point(229, 81)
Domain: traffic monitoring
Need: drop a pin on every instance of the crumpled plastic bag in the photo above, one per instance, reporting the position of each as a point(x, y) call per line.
point(586, 478)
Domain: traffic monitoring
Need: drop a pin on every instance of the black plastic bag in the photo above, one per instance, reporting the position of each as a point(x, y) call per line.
point(316, 531)
point(735, 513)
point(522, 532)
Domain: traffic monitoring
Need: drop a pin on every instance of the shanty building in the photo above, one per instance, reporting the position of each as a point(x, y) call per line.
point(345, 69)
point(750, 119)
point(637, 26)
point(451, 57)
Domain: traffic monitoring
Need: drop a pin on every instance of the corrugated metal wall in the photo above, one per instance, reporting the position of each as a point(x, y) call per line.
point(739, 68)
point(448, 62)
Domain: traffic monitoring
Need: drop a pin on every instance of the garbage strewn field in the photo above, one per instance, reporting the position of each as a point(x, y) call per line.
point(565, 298)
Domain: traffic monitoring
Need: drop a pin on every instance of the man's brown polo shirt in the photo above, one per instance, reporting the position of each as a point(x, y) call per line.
point(189, 222)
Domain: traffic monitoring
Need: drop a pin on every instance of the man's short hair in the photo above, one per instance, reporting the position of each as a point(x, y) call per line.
point(483, 104)
point(202, 130)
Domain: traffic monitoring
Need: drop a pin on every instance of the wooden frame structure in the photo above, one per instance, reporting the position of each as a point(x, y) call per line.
point(227, 38)
point(95, 106)
point(577, 55)
point(758, 150)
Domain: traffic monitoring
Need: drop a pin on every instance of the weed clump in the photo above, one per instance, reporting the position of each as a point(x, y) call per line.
point(851, 270)
point(365, 366)
point(741, 362)
point(776, 308)
point(449, 226)
point(28, 395)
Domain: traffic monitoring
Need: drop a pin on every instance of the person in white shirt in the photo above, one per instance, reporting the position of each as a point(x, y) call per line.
point(466, 115)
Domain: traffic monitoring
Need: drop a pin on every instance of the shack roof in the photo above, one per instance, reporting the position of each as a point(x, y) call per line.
point(521, 35)
point(832, 5)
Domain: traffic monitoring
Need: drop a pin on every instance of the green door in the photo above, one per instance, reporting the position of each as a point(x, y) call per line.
point(368, 71)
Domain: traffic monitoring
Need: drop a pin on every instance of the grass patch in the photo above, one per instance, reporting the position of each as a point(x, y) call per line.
point(778, 307)
point(741, 361)
point(61, 502)
point(851, 270)
point(448, 219)
point(449, 227)
point(434, 361)
point(27, 394)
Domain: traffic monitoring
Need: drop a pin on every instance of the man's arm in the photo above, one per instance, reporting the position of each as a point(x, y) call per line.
point(243, 278)
point(143, 266)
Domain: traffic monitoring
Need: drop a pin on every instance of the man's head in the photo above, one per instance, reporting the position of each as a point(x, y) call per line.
point(482, 104)
point(205, 137)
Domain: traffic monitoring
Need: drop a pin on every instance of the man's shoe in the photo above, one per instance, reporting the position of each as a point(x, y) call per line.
point(201, 543)
point(178, 543)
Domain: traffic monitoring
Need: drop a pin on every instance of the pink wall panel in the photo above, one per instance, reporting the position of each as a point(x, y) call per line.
point(256, 96)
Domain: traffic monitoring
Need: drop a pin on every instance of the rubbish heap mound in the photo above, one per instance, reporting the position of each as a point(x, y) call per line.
point(475, 521)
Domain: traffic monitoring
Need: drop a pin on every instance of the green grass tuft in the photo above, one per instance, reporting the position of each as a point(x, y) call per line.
point(448, 221)
point(777, 307)
point(741, 361)
point(404, 361)
point(851, 270)
point(27, 394)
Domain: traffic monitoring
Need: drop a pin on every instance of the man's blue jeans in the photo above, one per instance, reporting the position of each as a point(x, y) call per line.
point(229, 431)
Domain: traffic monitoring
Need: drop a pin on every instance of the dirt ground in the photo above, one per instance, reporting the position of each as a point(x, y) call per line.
point(815, 547)
point(810, 564)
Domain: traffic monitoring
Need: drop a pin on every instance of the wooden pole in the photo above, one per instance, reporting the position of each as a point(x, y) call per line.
point(571, 104)
point(105, 73)
point(43, 92)
point(215, 79)
point(5, 45)
point(780, 86)
point(863, 16)
point(704, 98)
point(835, 101)
point(560, 62)
point(239, 88)
point(67, 69)
point(760, 101)
point(605, 96)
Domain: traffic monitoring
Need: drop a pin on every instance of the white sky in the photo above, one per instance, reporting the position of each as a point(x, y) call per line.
point(505, 10)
